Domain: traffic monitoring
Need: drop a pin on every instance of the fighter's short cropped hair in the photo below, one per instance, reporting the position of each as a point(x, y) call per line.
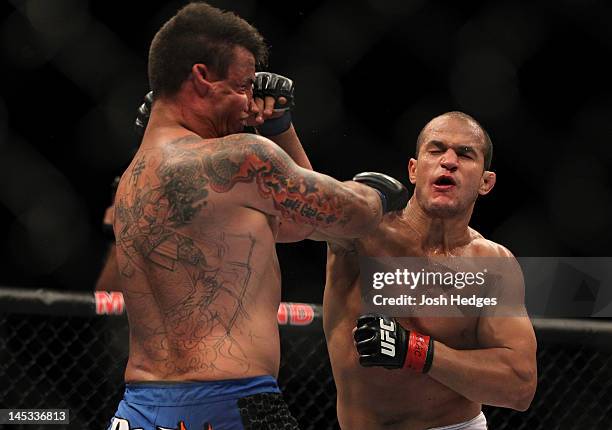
point(199, 33)
point(488, 145)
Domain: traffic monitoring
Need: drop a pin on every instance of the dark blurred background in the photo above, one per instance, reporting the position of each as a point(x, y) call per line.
point(369, 75)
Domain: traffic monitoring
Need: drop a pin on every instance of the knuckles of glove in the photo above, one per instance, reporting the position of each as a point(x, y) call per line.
point(148, 99)
point(142, 115)
point(366, 339)
point(277, 86)
point(395, 194)
point(369, 339)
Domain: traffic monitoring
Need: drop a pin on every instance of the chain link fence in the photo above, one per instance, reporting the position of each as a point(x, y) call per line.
point(77, 362)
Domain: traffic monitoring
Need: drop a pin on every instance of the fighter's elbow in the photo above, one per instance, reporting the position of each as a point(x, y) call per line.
point(524, 391)
point(523, 399)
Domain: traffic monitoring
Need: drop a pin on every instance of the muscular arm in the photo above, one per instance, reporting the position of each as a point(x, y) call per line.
point(277, 186)
point(503, 371)
point(502, 374)
point(289, 141)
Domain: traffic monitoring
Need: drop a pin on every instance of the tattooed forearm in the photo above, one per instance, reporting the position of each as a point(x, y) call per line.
point(301, 198)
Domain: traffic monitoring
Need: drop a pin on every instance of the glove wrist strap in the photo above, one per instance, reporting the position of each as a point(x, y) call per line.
point(418, 357)
point(276, 126)
point(383, 200)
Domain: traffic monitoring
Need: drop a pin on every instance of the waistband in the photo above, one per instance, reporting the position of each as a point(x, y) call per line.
point(198, 392)
point(479, 422)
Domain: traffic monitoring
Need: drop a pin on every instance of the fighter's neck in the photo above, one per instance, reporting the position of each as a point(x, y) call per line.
point(437, 235)
point(172, 113)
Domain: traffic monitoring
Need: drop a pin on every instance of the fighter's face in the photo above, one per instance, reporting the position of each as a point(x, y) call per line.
point(232, 96)
point(449, 172)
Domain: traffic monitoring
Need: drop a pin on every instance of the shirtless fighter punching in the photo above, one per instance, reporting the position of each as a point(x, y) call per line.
point(196, 217)
point(443, 369)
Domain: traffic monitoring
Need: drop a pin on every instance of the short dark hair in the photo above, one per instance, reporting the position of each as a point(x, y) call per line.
point(199, 33)
point(488, 145)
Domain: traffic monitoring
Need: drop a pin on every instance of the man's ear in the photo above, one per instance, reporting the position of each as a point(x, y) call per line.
point(487, 182)
point(200, 75)
point(412, 168)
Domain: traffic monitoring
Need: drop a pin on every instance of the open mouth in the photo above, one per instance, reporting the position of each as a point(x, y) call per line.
point(444, 182)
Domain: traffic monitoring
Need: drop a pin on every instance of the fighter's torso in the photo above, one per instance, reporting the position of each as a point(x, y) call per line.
point(199, 270)
point(376, 398)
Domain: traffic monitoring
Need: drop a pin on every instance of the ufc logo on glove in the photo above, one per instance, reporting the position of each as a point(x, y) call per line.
point(387, 342)
point(394, 348)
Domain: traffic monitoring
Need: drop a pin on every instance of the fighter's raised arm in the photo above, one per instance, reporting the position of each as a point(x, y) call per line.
point(262, 176)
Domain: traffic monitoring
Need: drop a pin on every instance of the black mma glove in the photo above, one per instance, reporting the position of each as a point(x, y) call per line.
point(142, 116)
point(272, 85)
point(393, 193)
point(382, 341)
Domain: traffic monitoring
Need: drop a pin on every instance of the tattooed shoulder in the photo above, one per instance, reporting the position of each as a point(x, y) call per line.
point(189, 167)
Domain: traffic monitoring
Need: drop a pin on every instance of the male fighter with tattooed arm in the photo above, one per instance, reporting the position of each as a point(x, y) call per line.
point(444, 369)
point(196, 220)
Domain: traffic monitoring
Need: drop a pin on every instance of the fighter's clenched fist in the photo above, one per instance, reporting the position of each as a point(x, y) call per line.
point(382, 341)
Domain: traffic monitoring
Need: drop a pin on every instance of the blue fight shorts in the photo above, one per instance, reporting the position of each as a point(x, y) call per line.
point(236, 404)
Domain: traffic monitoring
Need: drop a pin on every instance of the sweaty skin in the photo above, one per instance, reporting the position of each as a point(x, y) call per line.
point(477, 359)
point(196, 219)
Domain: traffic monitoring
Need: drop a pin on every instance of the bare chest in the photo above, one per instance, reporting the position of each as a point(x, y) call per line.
point(457, 332)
